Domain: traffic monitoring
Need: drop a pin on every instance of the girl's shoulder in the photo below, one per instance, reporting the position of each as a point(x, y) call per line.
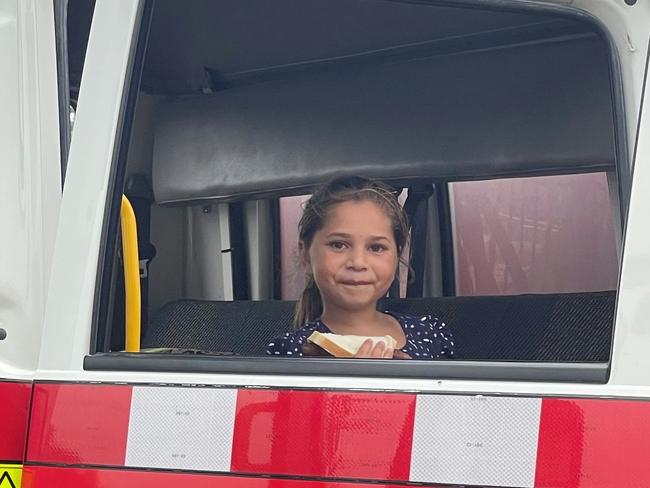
point(290, 344)
point(418, 321)
point(426, 333)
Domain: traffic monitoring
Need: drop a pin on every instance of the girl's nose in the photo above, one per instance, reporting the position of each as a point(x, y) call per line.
point(357, 259)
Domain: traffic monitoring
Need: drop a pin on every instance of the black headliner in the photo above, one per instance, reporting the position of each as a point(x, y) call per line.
point(231, 37)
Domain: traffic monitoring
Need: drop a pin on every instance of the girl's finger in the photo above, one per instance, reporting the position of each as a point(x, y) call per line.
point(388, 353)
point(378, 350)
point(364, 350)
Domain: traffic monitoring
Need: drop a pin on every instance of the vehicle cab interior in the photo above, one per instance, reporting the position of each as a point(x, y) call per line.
point(500, 128)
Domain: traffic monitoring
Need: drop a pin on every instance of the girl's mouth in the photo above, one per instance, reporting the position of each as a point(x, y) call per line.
point(356, 283)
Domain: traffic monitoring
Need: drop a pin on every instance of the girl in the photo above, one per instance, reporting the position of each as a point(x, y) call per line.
point(352, 233)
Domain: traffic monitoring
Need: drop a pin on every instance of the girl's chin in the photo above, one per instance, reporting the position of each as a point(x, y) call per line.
point(362, 303)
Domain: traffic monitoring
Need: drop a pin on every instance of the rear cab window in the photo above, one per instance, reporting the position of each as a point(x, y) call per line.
point(500, 125)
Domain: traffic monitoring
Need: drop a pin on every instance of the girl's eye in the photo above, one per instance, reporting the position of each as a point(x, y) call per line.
point(337, 245)
point(377, 248)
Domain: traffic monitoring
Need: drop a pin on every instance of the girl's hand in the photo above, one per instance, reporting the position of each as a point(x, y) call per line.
point(380, 351)
point(365, 351)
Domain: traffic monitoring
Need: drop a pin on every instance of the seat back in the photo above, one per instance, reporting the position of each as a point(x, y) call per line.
point(567, 327)
point(243, 327)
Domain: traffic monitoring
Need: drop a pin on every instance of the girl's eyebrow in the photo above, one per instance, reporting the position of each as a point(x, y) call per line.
point(349, 236)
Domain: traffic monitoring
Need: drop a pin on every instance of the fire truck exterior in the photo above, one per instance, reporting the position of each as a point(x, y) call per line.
point(63, 424)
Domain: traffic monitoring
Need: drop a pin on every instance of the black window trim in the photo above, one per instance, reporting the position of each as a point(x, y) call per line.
point(63, 81)
point(447, 250)
point(465, 370)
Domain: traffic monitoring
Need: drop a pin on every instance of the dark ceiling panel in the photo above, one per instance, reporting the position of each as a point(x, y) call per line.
point(234, 36)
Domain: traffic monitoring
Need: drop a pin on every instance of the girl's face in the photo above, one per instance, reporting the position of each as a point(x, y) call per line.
point(353, 258)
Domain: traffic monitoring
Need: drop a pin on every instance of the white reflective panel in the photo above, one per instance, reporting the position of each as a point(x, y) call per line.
point(181, 428)
point(475, 440)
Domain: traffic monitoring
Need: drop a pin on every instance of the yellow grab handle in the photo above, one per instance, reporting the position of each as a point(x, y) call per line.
point(131, 276)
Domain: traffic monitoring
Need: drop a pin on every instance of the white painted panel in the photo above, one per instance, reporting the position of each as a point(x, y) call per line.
point(66, 332)
point(226, 257)
point(630, 360)
point(166, 272)
point(475, 440)
point(181, 428)
point(30, 184)
point(203, 257)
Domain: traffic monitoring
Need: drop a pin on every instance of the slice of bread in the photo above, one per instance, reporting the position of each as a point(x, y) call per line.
point(346, 346)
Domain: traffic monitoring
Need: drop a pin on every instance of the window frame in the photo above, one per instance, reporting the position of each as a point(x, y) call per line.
point(464, 370)
point(306, 366)
point(65, 100)
point(104, 281)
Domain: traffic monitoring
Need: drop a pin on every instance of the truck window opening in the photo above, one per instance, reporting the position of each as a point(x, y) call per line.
point(477, 110)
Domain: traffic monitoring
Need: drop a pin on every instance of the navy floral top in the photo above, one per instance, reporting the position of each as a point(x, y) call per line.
point(426, 338)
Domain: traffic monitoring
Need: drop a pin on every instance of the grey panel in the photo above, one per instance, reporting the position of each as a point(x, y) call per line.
point(526, 110)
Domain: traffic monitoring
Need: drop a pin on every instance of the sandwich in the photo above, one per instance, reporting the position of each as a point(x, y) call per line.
point(346, 346)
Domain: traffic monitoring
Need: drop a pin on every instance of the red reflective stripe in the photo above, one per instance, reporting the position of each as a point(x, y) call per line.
point(14, 411)
point(582, 443)
point(593, 443)
point(79, 424)
point(559, 446)
point(337, 434)
point(48, 477)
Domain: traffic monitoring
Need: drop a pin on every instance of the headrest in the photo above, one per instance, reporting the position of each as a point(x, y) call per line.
point(537, 109)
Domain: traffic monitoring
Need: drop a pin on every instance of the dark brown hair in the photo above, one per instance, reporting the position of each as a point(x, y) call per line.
point(340, 190)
